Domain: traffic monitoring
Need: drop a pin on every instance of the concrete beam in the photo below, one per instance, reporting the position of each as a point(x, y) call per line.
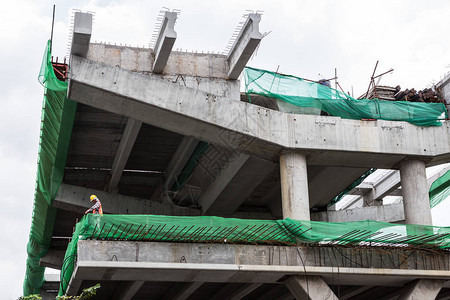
point(165, 41)
point(286, 296)
point(388, 185)
point(353, 291)
point(244, 291)
point(368, 192)
point(383, 213)
point(252, 129)
point(75, 198)
point(255, 263)
point(179, 159)
point(246, 43)
point(317, 175)
point(128, 291)
point(309, 287)
point(183, 292)
point(52, 259)
point(82, 31)
point(208, 197)
point(240, 187)
point(183, 272)
point(232, 293)
point(127, 141)
point(421, 289)
point(74, 285)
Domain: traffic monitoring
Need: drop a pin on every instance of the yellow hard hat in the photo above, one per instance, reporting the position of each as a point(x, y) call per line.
point(93, 197)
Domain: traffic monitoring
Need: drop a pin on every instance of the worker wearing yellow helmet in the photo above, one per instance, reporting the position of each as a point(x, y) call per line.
point(96, 208)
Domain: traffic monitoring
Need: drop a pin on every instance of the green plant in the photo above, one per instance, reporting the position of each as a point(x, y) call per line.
point(31, 297)
point(85, 294)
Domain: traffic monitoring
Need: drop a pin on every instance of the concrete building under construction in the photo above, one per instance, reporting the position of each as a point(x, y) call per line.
point(152, 131)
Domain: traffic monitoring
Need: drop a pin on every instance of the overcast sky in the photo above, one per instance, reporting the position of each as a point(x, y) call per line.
point(307, 38)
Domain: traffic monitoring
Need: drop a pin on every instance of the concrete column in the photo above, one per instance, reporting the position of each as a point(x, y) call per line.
point(309, 287)
point(421, 289)
point(294, 186)
point(415, 192)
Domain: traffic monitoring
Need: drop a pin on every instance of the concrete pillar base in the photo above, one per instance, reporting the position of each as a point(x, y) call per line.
point(309, 287)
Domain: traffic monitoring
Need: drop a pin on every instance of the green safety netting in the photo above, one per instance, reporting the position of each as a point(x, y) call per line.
point(299, 92)
point(241, 231)
point(56, 127)
point(440, 189)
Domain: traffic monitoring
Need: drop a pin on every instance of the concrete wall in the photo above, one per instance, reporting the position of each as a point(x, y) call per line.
point(202, 71)
point(384, 213)
point(324, 256)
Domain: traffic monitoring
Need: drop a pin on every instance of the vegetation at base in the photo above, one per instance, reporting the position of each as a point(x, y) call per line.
point(31, 297)
point(86, 294)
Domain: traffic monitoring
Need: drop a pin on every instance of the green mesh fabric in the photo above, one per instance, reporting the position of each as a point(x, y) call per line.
point(301, 93)
point(56, 126)
point(152, 228)
point(440, 189)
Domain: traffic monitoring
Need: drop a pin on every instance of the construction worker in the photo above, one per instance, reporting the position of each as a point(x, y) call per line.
point(96, 208)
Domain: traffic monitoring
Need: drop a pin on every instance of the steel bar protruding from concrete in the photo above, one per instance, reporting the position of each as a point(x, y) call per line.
point(309, 287)
point(244, 46)
point(422, 289)
point(294, 186)
point(165, 41)
point(415, 192)
point(82, 30)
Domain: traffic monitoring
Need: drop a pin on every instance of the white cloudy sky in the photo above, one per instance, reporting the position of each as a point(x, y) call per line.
point(307, 38)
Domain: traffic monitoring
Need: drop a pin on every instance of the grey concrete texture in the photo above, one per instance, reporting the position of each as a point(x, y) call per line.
point(127, 141)
point(416, 200)
point(159, 252)
point(384, 213)
point(328, 140)
point(309, 287)
point(294, 186)
point(165, 41)
point(421, 289)
point(200, 71)
point(176, 262)
point(53, 259)
point(75, 198)
point(205, 65)
point(82, 31)
point(243, 48)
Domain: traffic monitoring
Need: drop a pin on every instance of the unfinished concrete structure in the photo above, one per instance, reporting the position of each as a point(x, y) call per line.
point(143, 113)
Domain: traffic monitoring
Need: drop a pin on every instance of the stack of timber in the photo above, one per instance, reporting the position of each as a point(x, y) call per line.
point(396, 94)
